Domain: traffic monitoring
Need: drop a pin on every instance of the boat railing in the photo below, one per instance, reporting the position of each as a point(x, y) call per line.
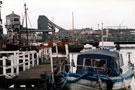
point(44, 54)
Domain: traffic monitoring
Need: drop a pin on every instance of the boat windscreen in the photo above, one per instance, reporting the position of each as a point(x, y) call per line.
point(94, 62)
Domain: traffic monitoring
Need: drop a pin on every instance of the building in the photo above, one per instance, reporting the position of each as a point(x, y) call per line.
point(13, 28)
point(42, 22)
point(13, 22)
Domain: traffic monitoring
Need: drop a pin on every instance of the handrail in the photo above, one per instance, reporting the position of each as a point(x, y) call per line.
point(26, 59)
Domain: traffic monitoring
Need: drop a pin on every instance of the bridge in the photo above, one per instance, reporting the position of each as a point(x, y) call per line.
point(19, 68)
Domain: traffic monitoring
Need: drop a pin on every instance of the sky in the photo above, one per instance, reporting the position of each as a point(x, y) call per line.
point(87, 13)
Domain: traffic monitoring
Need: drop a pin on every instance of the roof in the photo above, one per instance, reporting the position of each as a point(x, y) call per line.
point(102, 52)
point(13, 15)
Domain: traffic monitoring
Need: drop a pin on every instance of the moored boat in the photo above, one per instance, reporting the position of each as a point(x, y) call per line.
point(96, 69)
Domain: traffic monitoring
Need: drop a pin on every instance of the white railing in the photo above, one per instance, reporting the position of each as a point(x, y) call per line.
point(11, 64)
point(44, 54)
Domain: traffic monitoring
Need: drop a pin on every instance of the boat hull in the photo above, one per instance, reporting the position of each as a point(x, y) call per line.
point(83, 84)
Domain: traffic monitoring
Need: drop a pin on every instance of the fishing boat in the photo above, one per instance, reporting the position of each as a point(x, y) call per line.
point(97, 69)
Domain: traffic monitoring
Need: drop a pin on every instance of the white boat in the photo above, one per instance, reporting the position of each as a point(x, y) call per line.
point(107, 45)
point(87, 47)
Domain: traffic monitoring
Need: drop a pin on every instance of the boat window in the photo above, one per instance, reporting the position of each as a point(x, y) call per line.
point(94, 62)
point(88, 62)
point(115, 65)
point(99, 62)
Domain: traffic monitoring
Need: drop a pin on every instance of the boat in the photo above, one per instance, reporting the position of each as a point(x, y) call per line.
point(97, 69)
point(87, 47)
point(72, 48)
point(107, 45)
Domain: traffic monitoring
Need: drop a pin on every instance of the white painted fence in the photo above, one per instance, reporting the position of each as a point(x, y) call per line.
point(25, 59)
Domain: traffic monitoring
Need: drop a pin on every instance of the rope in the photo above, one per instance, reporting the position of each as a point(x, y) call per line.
point(75, 80)
point(60, 85)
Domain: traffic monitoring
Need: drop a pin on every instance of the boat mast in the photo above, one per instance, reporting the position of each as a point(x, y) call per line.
point(102, 36)
point(53, 30)
point(26, 21)
point(73, 27)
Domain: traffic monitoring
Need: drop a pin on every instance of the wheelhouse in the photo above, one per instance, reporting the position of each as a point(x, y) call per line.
point(100, 61)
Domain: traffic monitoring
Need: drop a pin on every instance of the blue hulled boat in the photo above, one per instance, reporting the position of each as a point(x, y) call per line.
point(96, 69)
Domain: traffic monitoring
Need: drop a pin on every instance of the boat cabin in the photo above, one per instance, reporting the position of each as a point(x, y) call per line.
point(102, 62)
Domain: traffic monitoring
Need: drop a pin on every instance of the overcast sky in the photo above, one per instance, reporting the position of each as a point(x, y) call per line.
point(87, 13)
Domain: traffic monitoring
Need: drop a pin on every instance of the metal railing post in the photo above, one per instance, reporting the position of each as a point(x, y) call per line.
point(33, 60)
point(4, 65)
point(67, 51)
point(28, 60)
point(17, 62)
point(50, 50)
point(37, 58)
point(12, 65)
point(24, 59)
